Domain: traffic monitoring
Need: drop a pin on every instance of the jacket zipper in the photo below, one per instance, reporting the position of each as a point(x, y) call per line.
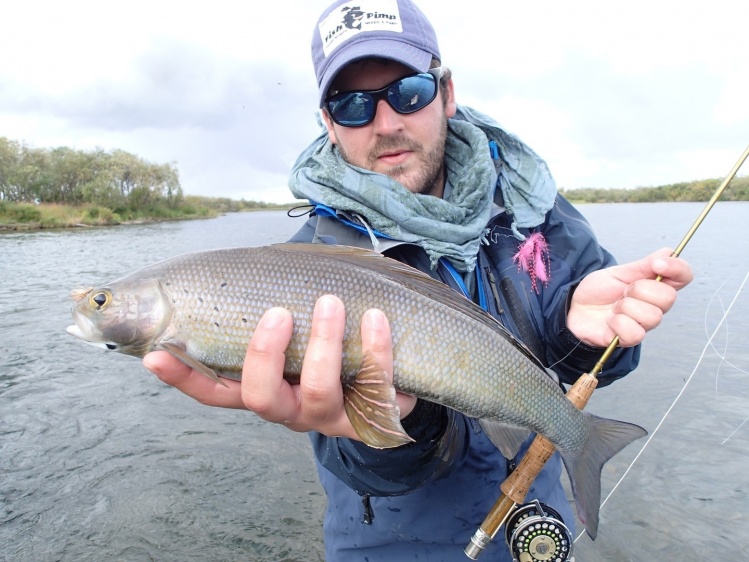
point(495, 293)
point(368, 513)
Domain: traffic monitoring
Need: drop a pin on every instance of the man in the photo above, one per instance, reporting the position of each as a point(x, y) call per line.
point(403, 168)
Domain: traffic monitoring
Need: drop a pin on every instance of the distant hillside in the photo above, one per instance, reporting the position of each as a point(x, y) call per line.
point(702, 190)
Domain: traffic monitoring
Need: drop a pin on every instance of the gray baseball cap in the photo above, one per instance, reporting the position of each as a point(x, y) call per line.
point(349, 30)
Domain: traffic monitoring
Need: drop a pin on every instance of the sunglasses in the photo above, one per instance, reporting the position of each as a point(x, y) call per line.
point(405, 95)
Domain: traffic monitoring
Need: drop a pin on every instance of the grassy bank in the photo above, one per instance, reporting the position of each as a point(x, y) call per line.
point(28, 216)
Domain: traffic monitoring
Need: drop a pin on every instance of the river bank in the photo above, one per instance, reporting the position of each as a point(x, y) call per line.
point(32, 217)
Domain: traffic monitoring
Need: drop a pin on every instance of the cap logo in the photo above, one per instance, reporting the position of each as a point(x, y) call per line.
point(353, 18)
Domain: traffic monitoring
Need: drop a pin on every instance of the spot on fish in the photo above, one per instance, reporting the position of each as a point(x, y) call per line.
point(216, 324)
point(215, 308)
point(200, 300)
point(223, 284)
point(245, 320)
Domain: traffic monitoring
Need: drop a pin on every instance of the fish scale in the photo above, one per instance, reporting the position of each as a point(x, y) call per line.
point(435, 343)
point(203, 308)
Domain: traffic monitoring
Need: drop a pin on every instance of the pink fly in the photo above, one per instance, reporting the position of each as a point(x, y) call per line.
point(533, 258)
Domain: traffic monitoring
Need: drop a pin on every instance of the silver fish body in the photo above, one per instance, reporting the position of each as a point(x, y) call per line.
point(203, 307)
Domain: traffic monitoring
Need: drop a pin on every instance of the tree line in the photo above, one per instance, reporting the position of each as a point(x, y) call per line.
point(700, 190)
point(127, 187)
point(116, 180)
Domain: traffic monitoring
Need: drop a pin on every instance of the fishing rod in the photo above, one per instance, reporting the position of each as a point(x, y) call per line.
point(534, 531)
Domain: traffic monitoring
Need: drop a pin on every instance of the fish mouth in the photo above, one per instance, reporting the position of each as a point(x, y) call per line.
point(84, 330)
point(74, 330)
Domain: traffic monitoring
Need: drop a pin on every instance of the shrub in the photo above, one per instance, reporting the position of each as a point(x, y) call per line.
point(51, 222)
point(26, 213)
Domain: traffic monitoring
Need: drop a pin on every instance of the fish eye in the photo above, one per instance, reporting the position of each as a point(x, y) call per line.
point(100, 299)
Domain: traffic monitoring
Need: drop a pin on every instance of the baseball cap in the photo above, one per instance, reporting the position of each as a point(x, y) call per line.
point(349, 30)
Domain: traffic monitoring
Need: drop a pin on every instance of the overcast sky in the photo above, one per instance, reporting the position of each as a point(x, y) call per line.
point(611, 94)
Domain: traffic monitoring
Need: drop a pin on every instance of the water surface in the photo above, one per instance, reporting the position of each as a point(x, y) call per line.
point(101, 461)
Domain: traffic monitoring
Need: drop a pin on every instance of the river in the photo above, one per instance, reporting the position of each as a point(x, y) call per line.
point(99, 460)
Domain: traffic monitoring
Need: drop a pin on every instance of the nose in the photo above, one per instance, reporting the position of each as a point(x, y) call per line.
point(386, 120)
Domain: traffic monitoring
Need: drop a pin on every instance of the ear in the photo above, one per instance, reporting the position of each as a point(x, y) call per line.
point(450, 105)
point(329, 125)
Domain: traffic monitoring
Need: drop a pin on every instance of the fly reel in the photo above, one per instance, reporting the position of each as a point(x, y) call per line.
point(535, 532)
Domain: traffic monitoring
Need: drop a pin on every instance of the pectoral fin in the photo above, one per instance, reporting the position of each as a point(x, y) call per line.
point(507, 438)
point(371, 407)
point(179, 352)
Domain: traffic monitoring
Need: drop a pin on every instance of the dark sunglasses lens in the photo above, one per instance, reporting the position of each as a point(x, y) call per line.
point(412, 94)
point(356, 109)
point(352, 109)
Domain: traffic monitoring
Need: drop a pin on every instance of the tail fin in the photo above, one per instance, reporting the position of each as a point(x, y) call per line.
point(605, 439)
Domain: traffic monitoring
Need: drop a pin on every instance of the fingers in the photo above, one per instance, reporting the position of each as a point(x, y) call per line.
point(316, 403)
point(167, 367)
point(627, 298)
point(642, 307)
point(377, 340)
point(320, 390)
point(675, 271)
point(196, 385)
point(632, 318)
point(651, 292)
point(263, 389)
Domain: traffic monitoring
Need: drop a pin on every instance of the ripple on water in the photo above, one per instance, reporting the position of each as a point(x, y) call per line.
point(101, 461)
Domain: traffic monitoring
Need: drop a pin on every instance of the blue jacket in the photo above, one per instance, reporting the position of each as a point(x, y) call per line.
point(424, 501)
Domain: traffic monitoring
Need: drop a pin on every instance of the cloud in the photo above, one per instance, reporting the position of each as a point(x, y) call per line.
point(638, 93)
point(214, 116)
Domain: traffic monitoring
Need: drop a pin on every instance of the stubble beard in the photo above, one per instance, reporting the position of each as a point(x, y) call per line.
point(426, 176)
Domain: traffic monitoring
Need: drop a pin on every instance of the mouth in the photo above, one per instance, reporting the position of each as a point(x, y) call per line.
point(75, 331)
point(394, 157)
point(84, 330)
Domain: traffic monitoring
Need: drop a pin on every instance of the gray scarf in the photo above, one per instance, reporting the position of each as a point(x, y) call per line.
point(452, 227)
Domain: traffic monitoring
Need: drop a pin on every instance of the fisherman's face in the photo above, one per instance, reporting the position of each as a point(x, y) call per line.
point(408, 148)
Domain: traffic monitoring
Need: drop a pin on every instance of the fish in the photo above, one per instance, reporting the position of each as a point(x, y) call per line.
point(202, 307)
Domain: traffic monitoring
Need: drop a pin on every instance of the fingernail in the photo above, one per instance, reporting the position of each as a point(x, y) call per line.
point(326, 307)
point(659, 264)
point(272, 319)
point(374, 319)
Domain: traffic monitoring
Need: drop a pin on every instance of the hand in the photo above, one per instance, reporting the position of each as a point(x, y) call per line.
point(626, 300)
point(316, 403)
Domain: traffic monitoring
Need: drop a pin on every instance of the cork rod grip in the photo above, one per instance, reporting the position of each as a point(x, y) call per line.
point(518, 483)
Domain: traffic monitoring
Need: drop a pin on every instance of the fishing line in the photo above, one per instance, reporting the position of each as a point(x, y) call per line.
point(516, 486)
point(735, 367)
point(724, 353)
point(708, 345)
point(734, 432)
point(578, 344)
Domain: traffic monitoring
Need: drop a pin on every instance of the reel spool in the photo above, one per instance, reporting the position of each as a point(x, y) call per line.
point(536, 533)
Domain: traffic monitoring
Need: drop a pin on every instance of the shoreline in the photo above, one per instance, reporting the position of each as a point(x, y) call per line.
point(36, 226)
